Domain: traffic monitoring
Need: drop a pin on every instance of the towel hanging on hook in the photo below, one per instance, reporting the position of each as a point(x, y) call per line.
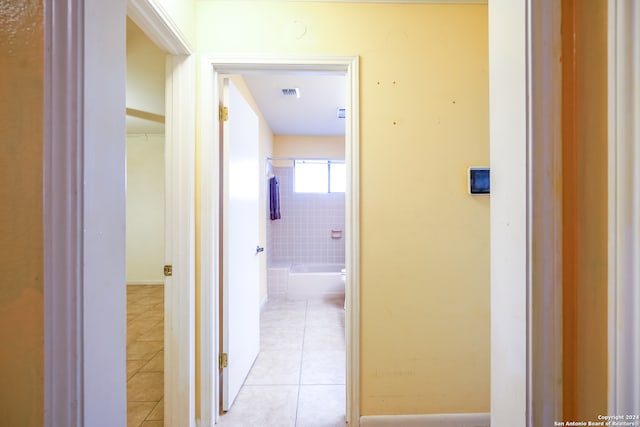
point(274, 198)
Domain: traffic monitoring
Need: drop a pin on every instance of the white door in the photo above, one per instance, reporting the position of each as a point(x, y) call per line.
point(240, 281)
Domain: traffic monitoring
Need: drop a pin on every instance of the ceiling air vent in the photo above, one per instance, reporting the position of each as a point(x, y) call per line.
point(291, 92)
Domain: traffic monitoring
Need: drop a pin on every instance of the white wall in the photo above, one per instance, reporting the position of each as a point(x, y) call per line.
point(145, 208)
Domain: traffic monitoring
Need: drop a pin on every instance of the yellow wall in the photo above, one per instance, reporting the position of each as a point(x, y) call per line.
point(21, 251)
point(182, 13)
point(145, 80)
point(585, 203)
point(145, 209)
point(592, 303)
point(424, 240)
point(301, 146)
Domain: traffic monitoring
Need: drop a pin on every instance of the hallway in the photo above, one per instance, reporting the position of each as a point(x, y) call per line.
point(298, 378)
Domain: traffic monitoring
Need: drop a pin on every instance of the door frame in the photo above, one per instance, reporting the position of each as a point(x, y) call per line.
point(624, 199)
point(179, 289)
point(212, 66)
point(84, 218)
point(526, 211)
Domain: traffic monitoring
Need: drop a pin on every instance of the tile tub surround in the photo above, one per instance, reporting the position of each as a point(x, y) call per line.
point(303, 234)
point(298, 379)
point(145, 355)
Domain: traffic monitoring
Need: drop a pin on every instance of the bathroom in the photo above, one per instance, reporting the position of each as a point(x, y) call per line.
point(305, 237)
point(305, 156)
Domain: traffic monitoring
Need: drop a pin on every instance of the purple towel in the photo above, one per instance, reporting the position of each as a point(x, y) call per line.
point(274, 198)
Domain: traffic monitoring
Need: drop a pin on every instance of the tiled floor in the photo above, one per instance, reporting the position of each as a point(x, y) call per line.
point(298, 378)
point(145, 355)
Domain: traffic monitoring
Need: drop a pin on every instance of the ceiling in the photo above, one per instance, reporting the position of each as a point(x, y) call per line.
point(313, 113)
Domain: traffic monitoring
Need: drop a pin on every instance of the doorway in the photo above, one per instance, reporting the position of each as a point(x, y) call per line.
point(210, 158)
point(178, 293)
point(145, 235)
point(298, 361)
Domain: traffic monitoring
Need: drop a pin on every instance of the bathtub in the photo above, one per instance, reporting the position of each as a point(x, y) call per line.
point(315, 281)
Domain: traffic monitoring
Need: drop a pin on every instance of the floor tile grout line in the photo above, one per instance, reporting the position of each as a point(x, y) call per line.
point(307, 312)
point(147, 314)
point(304, 332)
point(153, 409)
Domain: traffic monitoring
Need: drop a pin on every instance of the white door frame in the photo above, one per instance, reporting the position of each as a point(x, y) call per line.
point(85, 328)
point(179, 290)
point(63, 222)
point(624, 206)
point(213, 66)
point(526, 212)
point(510, 240)
point(544, 301)
point(84, 213)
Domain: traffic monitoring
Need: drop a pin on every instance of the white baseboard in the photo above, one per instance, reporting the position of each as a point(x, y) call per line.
point(144, 282)
point(427, 420)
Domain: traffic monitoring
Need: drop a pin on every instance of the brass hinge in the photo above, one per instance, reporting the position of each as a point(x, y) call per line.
point(222, 361)
point(168, 270)
point(223, 114)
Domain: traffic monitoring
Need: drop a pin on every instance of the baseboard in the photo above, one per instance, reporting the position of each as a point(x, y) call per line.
point(144, 282)
point(427, 420)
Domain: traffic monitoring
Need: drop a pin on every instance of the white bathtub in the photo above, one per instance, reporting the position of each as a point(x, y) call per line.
point(315, 281)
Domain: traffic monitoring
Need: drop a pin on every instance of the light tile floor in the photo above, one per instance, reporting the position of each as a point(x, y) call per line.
point(298, 378)
point(145, 355)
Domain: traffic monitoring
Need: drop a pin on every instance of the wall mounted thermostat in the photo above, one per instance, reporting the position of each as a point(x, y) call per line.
point(479, 181)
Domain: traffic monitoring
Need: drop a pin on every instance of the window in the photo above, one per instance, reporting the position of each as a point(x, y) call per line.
point(319, 176)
